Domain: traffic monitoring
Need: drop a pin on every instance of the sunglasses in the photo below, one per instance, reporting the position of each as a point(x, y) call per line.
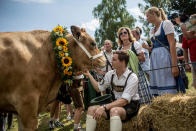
point(123, 33)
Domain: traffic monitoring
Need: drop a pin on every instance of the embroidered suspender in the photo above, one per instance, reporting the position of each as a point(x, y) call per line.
point(119, 88)
point(108, 63)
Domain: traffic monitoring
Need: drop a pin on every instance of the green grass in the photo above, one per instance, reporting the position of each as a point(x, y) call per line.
point(44, 117)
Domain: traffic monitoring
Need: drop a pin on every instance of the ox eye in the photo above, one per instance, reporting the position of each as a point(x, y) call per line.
point(93, 44)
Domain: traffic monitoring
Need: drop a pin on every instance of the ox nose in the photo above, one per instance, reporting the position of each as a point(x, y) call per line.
point(102, 62)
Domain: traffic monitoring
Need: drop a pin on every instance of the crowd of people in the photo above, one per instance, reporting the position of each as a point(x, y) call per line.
point(134, 74)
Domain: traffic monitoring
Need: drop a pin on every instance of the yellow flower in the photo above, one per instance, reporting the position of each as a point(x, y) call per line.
point(61, 42)
point(66, 61)
point(61, 53)
point(65, 72)
point(69, 73)
point(65, 48)
point(58, 29)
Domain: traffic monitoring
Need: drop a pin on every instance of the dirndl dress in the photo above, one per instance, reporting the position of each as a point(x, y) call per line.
point(161, 81)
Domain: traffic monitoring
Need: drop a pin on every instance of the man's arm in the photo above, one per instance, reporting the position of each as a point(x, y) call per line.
point(117, 103)
point(185, 32)
point(172, 45)
point(186, 59)
point(92, 80)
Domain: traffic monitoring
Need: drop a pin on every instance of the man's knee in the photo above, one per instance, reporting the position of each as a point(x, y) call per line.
point(91, 110)
point(115, 111)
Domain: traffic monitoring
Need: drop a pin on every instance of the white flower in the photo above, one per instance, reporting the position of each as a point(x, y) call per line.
point(57, 33)
point(60, 47)
point(66, 54)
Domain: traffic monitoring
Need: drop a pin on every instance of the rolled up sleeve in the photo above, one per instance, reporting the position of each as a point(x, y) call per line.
point(106, 83)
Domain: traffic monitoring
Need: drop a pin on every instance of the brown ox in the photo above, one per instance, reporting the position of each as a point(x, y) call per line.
point(29, 79)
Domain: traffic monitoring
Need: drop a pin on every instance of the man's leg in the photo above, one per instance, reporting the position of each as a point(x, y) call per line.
point(52, 114)
point(9, 120)
point(116, 114)
point(57, 123)
point(90, 121)
point(3, 121)
point(78, 102)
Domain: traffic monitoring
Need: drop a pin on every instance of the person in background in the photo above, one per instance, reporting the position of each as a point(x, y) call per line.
point(145, 65)
point(125, 88)
point(108, 53)
point(189, 47)
point(163, 53)
point(189, 44)
point(129, 44)
point(188, 28)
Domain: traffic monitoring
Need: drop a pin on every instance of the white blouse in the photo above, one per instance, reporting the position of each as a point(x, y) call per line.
point(168, 28)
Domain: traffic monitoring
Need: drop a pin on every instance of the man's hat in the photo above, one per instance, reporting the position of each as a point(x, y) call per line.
point(100, 100)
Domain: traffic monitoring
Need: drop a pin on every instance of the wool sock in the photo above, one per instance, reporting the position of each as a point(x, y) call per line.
point(115, 123)
point(90, 123)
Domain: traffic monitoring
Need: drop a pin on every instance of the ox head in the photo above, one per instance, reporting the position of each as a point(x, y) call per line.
point(86, 54)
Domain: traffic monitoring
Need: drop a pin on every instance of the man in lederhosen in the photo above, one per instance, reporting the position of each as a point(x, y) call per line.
point(125, 89)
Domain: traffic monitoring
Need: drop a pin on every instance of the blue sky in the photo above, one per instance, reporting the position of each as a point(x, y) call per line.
point(26, 15)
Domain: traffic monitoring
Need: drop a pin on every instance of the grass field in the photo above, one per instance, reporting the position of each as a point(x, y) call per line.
point(44, 117)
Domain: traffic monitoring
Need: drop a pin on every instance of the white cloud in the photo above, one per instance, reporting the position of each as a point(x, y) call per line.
point(35, 1)
point(135, 12)
point(92, 25)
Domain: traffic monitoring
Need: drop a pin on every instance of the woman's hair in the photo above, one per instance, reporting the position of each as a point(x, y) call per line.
point(131, 38)
point(158, 11)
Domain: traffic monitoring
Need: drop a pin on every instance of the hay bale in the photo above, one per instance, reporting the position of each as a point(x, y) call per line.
point(131, 125)
point(169, 112)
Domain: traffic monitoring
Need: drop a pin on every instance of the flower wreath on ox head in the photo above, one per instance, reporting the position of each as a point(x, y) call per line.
point(63, 55)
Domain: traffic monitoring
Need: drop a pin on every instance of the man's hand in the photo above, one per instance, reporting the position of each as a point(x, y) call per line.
point(99, 113)
point(86, 73)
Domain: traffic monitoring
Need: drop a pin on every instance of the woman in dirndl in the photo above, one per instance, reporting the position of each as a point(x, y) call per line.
point(127, 42)
point(163, 54)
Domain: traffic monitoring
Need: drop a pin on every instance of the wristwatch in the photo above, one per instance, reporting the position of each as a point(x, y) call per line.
point(105, 107)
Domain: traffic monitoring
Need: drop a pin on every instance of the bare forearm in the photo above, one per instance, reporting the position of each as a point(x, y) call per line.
point(173, 55)
point(117, 103)
point(94, 83)
point(172, 45)
point(186, 55)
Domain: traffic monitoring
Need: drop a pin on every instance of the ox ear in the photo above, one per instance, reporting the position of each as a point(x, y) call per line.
point(83, 29)
point(76, 32)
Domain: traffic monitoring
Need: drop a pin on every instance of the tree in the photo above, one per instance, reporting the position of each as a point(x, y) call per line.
point(169, 6)
point(112, 15)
